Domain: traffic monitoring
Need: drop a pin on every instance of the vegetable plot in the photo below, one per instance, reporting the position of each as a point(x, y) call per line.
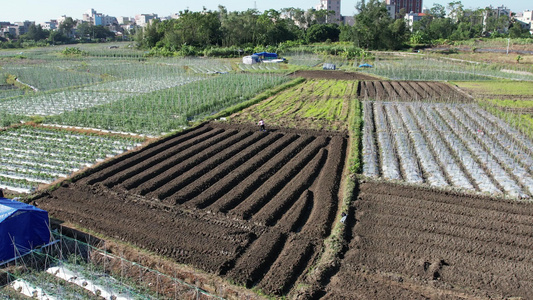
point(421, 67)
point(56, 103)
point(455, 145)
point(31, 156)
point(170, 109)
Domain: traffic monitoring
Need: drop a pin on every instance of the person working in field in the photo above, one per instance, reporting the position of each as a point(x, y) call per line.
point(261, 124)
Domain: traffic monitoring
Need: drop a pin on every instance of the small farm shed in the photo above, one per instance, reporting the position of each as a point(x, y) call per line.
point(251, 59)
point(23, 227)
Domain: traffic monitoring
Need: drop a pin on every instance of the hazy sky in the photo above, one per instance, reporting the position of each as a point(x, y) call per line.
point(40, 11)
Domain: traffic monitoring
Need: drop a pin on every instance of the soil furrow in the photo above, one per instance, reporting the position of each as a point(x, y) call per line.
point(236, 194)
point(391, 93)
point(140, 156)
point(418, 89)
point(239, 176)
point(297, 216)
point(280, 203)
point(149, 162)
point(412, 91)
point(156, 178)
point(203, 167)
point(220, 172)
point(255, 262)
point(454, 214)
point(326, 196)
point(269, 187)
point(381, 93)
point(398, 89)
point(475, 202)
point(298, 253)
point(411, 231)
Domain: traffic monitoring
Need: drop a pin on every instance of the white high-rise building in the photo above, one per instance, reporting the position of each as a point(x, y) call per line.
point(332, 5)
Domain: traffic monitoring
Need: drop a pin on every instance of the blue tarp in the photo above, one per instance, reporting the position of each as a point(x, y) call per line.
point(266, 55)
point(23, 227)
point(365, 66)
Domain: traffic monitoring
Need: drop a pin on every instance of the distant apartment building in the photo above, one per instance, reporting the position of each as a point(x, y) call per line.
point(335, 17)
point(8, 31)
point(99, 19)
point(501, 11)
point(391, 10)
point(124, 20)
point(51, 25)
point(410, 6)
point(144, 19)
point(22, 27)
point(331, 5)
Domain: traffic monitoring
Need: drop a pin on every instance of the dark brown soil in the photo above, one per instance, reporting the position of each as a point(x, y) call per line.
point(414, 243)
point(340, 75)
point(229, 200)
point(408, 91)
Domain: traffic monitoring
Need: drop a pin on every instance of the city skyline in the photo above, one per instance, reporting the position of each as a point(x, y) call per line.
point(39, 11)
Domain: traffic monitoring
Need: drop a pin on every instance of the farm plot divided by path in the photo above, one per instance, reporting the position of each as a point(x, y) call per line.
point(413, 243)
point(408, 91)
point(446, 145)
point(253, 206)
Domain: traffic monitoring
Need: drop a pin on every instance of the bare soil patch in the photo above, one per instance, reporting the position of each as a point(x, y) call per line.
point(408, 91)
point(414, 243)
point(230, 200)
point(319, 74)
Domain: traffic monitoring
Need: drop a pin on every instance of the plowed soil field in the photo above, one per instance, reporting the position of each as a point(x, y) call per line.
point(231, 200)
point(413, 243)
point(408, 91)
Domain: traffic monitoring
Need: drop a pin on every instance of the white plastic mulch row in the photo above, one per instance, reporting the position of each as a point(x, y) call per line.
point(515, 142)
point(507, 162)
point(31, 156)
point(389, 161)
point(78, 279)
point(101, 130)
point(406, 152)
point(143, 85)
point(432, 170)
point(444, 155)
point(15, 189)
point(449, 144)
point(498, 173)
point(461, 152)
point(27, 289)
point(370, 152)
point(57, 103)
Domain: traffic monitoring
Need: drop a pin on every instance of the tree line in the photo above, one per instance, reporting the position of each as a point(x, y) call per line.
point(373, 28)
point(226, 33)
point(69, 31)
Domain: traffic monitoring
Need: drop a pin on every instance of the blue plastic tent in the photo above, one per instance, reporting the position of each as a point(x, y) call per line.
point(23, 227)
point(266, 55)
